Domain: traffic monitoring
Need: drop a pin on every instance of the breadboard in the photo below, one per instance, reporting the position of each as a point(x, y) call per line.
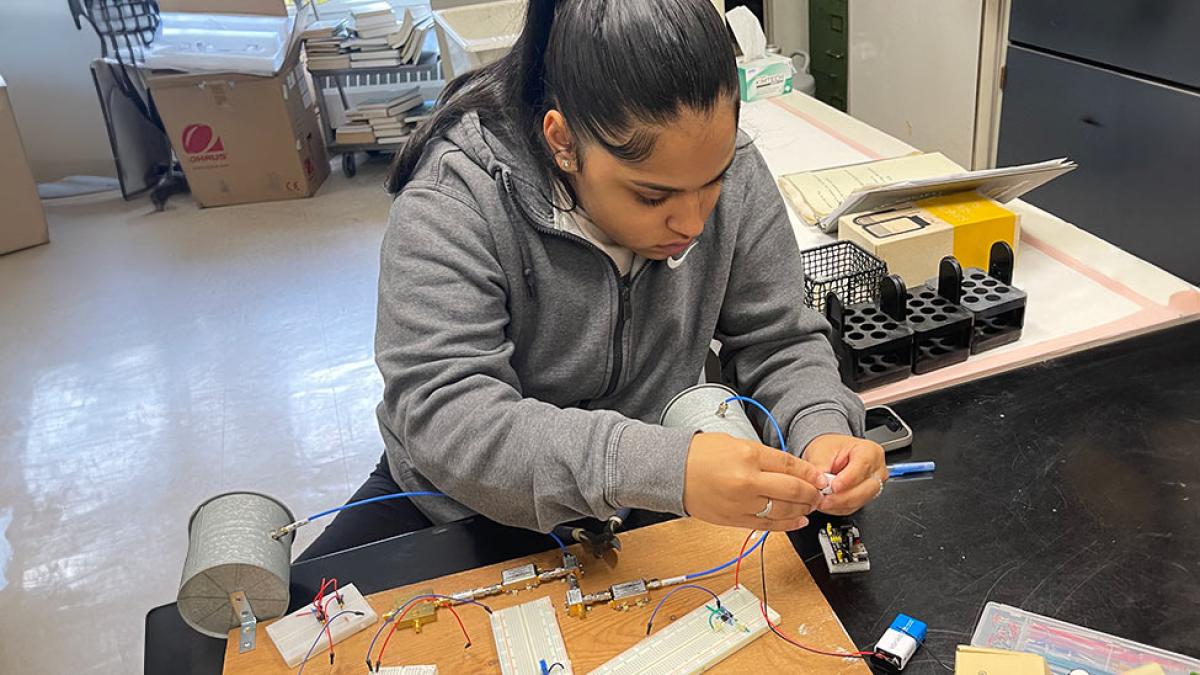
point(407, 670)
point(293, 635)
point(526, 635)
point(690, 644)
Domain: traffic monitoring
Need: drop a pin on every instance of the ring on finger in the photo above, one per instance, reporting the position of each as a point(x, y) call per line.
point(880, 491)
point(766, 510)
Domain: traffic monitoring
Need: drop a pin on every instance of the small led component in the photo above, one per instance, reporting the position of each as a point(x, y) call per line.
point(520, 578)
point(629, 594)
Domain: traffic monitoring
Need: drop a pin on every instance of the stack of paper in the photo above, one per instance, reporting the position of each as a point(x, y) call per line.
point(983, 661)
point(323, 42)
point(821, 197)
point(387, 116)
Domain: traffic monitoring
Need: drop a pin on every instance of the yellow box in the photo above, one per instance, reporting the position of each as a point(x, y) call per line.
point(913, 238)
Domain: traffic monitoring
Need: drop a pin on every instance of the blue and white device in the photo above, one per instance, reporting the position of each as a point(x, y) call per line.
point(900, 641)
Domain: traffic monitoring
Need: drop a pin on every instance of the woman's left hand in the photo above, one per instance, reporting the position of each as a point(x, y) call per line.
point(858, 465)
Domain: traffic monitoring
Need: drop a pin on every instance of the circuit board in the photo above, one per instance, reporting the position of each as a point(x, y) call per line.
point(528, 639)
point(293, 635)
point(843, 548)
point(694, 643)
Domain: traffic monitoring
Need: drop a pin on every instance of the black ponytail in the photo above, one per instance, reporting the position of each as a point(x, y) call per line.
point(607, 65)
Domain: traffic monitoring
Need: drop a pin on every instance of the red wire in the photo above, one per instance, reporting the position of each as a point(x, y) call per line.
point(323, 607)
point(460, 624)
point(325, 612)
point(763, 607)
point(379, 659)
point(737, 569)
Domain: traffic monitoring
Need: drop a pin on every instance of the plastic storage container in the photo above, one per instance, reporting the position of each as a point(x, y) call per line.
point(215, 43)
point(1067, 647)
point(476, 35)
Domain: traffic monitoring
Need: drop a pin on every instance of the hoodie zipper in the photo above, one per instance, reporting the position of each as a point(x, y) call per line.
point(623, 288)
point(624, 291)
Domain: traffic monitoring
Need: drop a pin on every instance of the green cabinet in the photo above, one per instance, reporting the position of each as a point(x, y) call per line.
point(828, 28)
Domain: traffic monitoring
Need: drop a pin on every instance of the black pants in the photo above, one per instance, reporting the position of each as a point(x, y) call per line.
point(382, 520)
point(370, 522)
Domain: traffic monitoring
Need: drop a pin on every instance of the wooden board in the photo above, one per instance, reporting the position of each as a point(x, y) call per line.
point(659, 551)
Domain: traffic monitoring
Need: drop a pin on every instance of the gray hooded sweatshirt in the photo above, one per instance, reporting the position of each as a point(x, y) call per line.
point(524, 377)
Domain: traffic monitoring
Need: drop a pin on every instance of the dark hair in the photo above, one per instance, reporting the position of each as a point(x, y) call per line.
point(607, 65)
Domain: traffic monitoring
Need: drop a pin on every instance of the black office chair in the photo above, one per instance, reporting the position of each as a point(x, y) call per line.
point(140, 145)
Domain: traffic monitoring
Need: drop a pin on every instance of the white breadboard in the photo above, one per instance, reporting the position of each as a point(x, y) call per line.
point(526, 635)
point(690, 645)
point(293, 635)
point(407, 670)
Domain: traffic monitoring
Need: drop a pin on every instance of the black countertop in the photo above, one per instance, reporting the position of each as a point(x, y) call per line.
point(1069, 488)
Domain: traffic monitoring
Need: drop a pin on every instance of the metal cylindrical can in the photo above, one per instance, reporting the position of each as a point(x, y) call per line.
point(230, 549)
point(703, 407)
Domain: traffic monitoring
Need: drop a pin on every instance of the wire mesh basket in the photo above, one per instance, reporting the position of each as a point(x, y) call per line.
point(844, 268)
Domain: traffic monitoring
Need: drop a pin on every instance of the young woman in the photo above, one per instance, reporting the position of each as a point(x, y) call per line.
point(570, 230)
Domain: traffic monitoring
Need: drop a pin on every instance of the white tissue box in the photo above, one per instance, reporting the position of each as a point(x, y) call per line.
point(764, 77)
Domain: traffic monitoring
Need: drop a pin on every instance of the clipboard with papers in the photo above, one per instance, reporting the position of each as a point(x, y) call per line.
point(820, 198)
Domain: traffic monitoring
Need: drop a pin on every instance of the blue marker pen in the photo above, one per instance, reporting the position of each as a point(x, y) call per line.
point(909, 467)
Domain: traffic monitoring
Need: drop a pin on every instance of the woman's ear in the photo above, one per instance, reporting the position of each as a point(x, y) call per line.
point(560, 141)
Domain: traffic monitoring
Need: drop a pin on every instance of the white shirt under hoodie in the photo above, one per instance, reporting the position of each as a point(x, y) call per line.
point(577, 222)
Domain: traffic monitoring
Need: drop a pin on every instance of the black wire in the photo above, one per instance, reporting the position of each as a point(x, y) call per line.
point(552, 666)
point(933, 656)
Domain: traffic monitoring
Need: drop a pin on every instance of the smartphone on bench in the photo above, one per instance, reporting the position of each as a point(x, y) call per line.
point(886, 428)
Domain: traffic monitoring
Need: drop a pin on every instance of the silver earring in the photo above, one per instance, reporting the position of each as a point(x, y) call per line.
point(566, 164)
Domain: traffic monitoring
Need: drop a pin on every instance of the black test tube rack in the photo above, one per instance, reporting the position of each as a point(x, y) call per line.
point(872, 341)
point(998, 307)
point(942, 328)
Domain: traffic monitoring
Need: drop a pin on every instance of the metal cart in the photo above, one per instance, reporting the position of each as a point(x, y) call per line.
point(427, 73)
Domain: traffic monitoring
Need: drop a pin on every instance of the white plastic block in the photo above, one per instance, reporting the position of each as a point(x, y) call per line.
point(294, 634)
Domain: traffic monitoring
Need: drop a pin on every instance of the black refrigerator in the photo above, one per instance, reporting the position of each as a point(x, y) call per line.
point(1114, 85)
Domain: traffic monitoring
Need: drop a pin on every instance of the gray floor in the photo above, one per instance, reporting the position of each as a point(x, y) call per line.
point(150, 360)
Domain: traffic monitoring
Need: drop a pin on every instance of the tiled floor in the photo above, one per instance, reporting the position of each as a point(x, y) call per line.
point(151, 360)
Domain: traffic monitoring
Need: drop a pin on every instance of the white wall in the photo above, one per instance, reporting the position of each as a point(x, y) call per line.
point(914, 70)
point(46, 62)
point(787, 24)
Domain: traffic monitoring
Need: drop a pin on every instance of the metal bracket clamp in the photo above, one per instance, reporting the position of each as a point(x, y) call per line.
point(249, 623)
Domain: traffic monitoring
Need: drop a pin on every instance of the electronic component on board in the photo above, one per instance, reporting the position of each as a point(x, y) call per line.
point(629, 594)
point(843, 548)
point(519, 578)
point(419, 614)
point(575, 606)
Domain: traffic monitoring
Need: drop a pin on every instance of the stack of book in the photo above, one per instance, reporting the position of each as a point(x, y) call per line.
point(355, 134)
point(386, 118)
point(323, 42)
point(382, 41)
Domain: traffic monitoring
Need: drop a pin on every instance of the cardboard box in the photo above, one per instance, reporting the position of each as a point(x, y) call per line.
point(243, 138)
point(257, 7)
point(913, 239)
point(24, 221)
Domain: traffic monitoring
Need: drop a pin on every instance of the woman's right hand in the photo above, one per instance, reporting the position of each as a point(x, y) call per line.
point(727, 481)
